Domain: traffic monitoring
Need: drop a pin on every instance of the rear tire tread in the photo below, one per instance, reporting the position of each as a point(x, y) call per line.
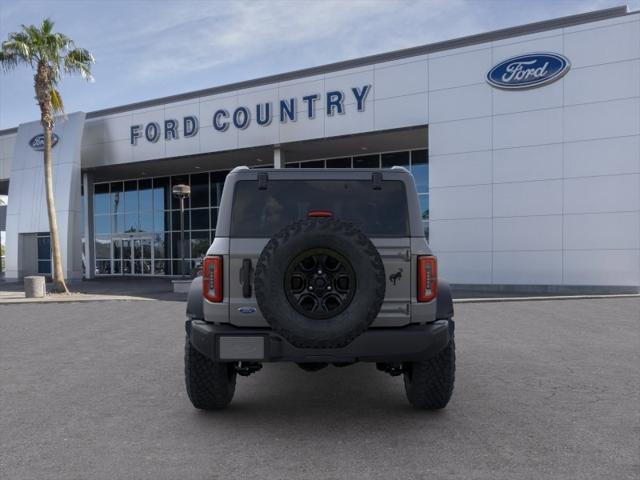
point(429, 383)
point(210, 385)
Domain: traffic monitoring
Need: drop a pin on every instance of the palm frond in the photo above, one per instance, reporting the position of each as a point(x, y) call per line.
point(79, 60)
point(8, 60)
point(56, 101)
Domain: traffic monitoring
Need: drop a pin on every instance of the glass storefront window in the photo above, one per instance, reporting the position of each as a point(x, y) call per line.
point(161, 221)
point(117, 198)
point(367, 161)
point(200, 219)
point(131, 196)
point(145, 195)
point(43, 241)
point(131, 224)
point(103, 247)
point(339, 162)
point(101, 198)
point(102, 224)
point(424, 206)
point(146, 222)
point(400, 159)
point(176, 252)
point(160, 245)
point(200, 190)
point(199, 244)
point(175, 220)
point(214, 218)
point(161, 194)
point(313, 164)
point(420, 170)
point(217, 182)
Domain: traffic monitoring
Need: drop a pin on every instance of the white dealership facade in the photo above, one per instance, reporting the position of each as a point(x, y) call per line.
point(527, 184)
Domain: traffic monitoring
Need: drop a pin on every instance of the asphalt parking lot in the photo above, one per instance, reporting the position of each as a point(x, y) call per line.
point(544, 389)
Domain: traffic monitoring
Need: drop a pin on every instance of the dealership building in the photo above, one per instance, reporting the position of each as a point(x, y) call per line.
point(524, 144)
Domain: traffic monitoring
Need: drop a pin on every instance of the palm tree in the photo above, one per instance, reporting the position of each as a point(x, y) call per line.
point(50, 55)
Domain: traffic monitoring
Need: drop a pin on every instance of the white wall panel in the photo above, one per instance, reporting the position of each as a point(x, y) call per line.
point(465, 267)
point(398, 80)
point(614, 193)
point(94, 132)
point(527, 268)
point(397, 112)
point(527, 128)
point(549, 41)
point(527, 163)
point(528, 233)
point(527, 198)
point(460, 136)
point(602, 267)
point(344, 82)
point(460, 235)
point(117, 152)
point(603, 45)
point(118, 127)
point(609, 156)
point(255, 134)
point(597, 231)
point(459, 69)
point(601, 120)
point(507, 101)
point(303, 129)
point(602, 82)
point(460, 202)
point(352, 121)
point(459, 103)
point(211, 140)
point(211, 106)
point(301, 88)
point(470, 168)
point(182, 145)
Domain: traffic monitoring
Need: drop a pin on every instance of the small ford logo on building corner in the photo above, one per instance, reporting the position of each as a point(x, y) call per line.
point(37, 142)
point(528, 71)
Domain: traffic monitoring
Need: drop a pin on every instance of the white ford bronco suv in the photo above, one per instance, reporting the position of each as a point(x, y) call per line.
point(319, 267)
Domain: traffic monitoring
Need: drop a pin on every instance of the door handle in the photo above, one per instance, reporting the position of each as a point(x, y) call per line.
point(245, 277)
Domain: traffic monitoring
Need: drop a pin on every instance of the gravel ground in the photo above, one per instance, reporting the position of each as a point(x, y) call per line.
point(545, 389)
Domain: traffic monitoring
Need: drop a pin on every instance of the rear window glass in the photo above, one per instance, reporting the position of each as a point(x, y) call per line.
point(263, 213)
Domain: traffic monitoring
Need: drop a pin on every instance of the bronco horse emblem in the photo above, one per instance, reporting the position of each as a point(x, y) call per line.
point(394, 277)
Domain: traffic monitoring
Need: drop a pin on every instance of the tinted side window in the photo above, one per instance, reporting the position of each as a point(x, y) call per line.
point(262, 213)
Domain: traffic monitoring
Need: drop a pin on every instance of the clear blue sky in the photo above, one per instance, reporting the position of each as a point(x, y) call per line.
point(148, 49)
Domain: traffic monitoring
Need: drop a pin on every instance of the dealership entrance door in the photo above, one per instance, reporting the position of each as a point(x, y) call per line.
point(133, 256)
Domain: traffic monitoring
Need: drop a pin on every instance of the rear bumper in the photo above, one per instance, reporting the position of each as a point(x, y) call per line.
point(229, 343)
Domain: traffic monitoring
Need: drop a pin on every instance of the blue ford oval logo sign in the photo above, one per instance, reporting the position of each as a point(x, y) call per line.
point(247, 310)
point(528, 71)
point(37, 142)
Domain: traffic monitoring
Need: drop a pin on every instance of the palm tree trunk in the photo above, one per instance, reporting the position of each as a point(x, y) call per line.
point(59, 284)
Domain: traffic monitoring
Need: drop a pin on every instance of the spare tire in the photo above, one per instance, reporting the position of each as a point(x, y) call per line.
point(320, 283)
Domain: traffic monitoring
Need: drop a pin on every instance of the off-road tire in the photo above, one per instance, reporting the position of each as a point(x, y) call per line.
point(429, 383)
point(346, 240)
point(210, 385)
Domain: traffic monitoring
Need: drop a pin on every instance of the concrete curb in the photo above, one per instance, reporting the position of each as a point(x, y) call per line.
point(74, 298)
point(546, 298)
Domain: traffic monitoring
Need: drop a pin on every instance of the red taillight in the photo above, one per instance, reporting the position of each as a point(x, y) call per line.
point(212, 278)
point(319, 213)
point(427, 278)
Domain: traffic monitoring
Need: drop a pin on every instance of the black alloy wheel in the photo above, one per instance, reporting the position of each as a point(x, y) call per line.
point(320, 283)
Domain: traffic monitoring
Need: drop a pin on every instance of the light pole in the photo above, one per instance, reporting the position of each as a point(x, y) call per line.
point(182, 192)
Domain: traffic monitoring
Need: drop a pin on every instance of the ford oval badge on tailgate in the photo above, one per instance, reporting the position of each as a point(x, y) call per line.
point(247, 310)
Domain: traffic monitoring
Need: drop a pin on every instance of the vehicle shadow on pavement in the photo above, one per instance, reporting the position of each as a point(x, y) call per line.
point(318, 401)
